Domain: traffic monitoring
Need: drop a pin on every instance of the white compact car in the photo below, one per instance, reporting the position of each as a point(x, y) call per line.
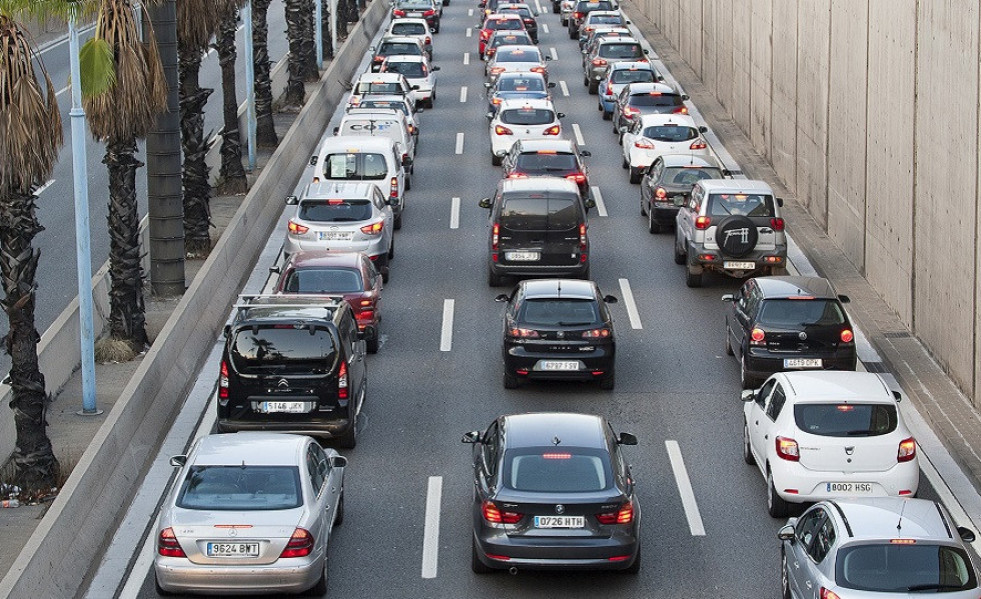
point(369, 84)
point(522, 119)
point(828, 435)
point(654, 135)
point(420, 74)
point(417, 28)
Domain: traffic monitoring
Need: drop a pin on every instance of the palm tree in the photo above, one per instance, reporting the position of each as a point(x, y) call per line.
point(265, 127)
point(308, 48)
point(295, 19)
point(123, 89)
point(233, 179)
point(30, 136)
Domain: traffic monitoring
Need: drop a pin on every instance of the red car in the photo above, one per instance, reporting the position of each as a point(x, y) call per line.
point(351, 275)
point(498, 22)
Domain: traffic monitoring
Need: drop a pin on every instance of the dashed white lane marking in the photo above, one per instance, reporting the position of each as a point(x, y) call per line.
point(430, 539)
point(470, 12)
point(578, 133)
point(564, 88)
point(555, 55)
point(630, 304)
point(684, 488)
point(544, 27)
point(39, 190)
point(446, 336)
point(463, 93)
point(459, 143)
point(598, 198)
point(469, 32)
point(455, 213)
point(538, 5)
point(466, 58)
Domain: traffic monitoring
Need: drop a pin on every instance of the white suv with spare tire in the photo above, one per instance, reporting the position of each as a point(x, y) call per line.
point(733, 227)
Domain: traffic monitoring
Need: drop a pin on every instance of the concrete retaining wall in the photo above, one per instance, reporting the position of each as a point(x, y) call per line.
point(868, 110)
point(75, 528)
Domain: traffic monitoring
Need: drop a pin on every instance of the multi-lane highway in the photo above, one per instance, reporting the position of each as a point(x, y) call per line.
point(407, 530)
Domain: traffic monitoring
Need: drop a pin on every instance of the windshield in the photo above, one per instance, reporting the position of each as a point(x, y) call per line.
point(621, 50)
point(633, 76)
point(240, 488)
point(379, 87)
point(846, 420)
point(400, 106)
point(323, 280)
point(902, 568)
point(409, 29)
point(518, 10)
point(670, 133)
point(409, 69)
point(506, 54)
point(510, 40)
point(283, 348)
point(534, 162)
point(527, 116)
point(355, 166)
point(555, 312)
point(334, 211)
point(521, 84)
point(557, 470)
point(723, 204)
point(655, 99)
point(688, 176)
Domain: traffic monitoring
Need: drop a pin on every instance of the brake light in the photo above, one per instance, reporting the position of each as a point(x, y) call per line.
point(379, 59)
point(681, 110)
point(499, 130)
point(596, 334)
point(540, 70)
point(902, 541)
point(630, 111)
point(609, 89)
point(429, 40)
point(223, 382)
point(342, 381)
point(299, 545)
point(553, 130)
point(496, 70)
point(582, 237)
point(429, 13)
point(625, 515)
point(393, 188)
point(167, 544)
point(907, 450)
point(703, 222)
point(787, 449)
point(296, 229)
point(698, 144)
point(496, 101)
point(757, 337)
point(826, 594)
point(398, 13)
point(577, 15)
point(495, 236)
point(484, 34)
point(643, 144)
point(523, 333)
point(517, 176)
point(576, 177)
point(494, 515)
point(847, 336)
point(661, 193)
point(373, 229)
point(599, 62)
point(777, 224)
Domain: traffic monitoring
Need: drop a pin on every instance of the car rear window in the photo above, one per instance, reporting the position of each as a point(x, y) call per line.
point(686, 175)
point(846, 419)
point(283, 348)
point(556, 312)
point(323, 280)
point(557, 469)
point(334, 211)
point(506, 54)
point(400, 106)
point(591, 6)
point(670, 133)
point(394, 48)
point(904, 568)
point(409, 29)
point(518, 10)
point(510, 40)
point(415, 4)
point(379, 87)
point(545, 162)
point(633, 76)
point(521, 84)
point(621, 50)
point(505, 24)
point(409, 69)
point(797, 313)
point(527, 116)
point(605, 20)
point(655, 99)
point(725, 204)
point(240, 488)
point(355, 166)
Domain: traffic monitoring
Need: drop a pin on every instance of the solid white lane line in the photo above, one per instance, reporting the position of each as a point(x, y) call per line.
point(544, 27)
point(469, 32)
point(446, 336)
point(578, 134)
point(430, 539)
point(555, 55)
point(463, 93)
point(459, 143)
point(466, 58)
point(39, 190)
point(598, 198)
point(564, 88)
point(684, 488)
point(455, 213)
point(470, 12)
point(63, 90)
point(631, 305)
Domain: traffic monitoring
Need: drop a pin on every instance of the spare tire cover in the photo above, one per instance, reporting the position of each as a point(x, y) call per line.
point(736, 235)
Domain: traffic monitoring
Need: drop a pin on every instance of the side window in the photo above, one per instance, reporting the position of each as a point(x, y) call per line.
point(742, 301)
point(808, 526)
point(765, 392)
point(823, 541)
point(695, 200)
point(315, 467)
point(490, 447)
point(352, 332)
point(753, 301)
point(776, 403)
point(372, 272)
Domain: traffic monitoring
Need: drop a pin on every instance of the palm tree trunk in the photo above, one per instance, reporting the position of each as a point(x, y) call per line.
point(308, 48)
point(325, 32)
point(232, 172)
point(197, 187)
point(34, 460)
point(265, 127)
point(295, 91)
point(127, 320)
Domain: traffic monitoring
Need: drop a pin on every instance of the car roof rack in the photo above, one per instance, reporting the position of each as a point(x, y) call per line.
point(293, 300)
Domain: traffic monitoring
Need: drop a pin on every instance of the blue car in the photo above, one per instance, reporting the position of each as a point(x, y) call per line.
point(523, 85)
point(618, 76)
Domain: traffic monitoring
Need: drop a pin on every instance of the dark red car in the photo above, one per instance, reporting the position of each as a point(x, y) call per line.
point(351, 275)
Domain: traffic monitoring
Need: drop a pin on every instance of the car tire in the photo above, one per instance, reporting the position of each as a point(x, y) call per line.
point(496, 160)
point(679, 254)
point(585, 274)
point(408, 182)
point(160, 590)
point(510, 381)
point(776, 506)
point(593, 87)
point(349, 440)
point(585, 81)
point(572, 34)
point(727, 345)
point(371, 345)
point(747, 380)
point(397, 223)
point(494, 280)
point(692, 279)
point(391, 249)
point(599, 106)
point(608, 382)
point(643, 209)
point(653, 226)
point(556, 9)
point(784, 576)
point(635, 175)
point(634, 568)
point(476, 565)
point(339, 517)
point(747, 449)
point(319, 589)
point(385, 273)
point(565, 21)
point(623, 163)
point(607, 115)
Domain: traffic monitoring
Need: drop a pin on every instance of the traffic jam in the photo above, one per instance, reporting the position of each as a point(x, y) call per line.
point(255, 505)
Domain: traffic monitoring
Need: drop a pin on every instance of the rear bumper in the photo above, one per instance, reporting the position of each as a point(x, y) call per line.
point(812, 485)
point(761, 363)
point(551, 553)
point(664, 212)
point(524, 361)
point(373, 247)
point(714, 260)
point(179, 575)
point(321, 428)
point(570, 270)
point(607, 102)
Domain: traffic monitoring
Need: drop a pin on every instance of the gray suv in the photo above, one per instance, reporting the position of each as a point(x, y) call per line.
point(733, 227)
point(883, 547)
point(608, 52)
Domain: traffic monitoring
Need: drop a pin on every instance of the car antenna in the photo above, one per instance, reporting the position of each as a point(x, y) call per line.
point(899, 525)
point(559, 290)
point(556, 440)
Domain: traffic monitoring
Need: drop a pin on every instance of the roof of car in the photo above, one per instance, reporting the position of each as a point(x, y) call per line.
point(539, 184)
point(840, 386)
point(543, 428)
point(401, 39)
point(735, 186)
point(338, 189)
point(405, 58)
point(513, 48)
point(379, 77)
point(681, 120)
point(878, 518)
point(371, 112)
point(415, 20)
point(604, 13)
point(551, 145)
point(502, 16)
point(289, 308)
point(796, 286)
point(647, 87)
point(356, 144)
point(324, 258)
point(632, 65)
point(618, 40)
point(250, 449)
point(554, 288)
point(689, 160)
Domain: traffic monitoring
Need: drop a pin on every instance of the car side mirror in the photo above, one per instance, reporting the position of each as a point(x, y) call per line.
point(471, 437)
point(844, 299)
point(336, 129)
point(786, 533)
point(610, 299)
point(502, 298)
point(292, 200)
point(178, 461)
point(432, 30)
point(313, 161)
point(897, 396)
point(274, 270)
point(728, 297)
point(780, 202)
point(490, 115)
point(966, 534)
point(338, 461)
point(551, 85)
point(703, 129)
point(392, 202)
point(560, 115)
point(369, 333)
point(548, 58)
point(584, 51)
point(227, 330)
point(590, 203)
point(372, 48)
point(627, 439)
point(485, 203)
point(434, 69)
point(414, 88)
point(748, 395)
point(623, 129)
point(726, 172)
point(585, 153)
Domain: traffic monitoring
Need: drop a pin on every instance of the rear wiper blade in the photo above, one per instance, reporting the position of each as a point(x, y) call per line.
point(859, 433)
point(931, 587)
point(573, 324)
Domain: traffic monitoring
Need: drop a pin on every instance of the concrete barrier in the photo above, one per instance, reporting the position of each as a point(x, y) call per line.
point(76, 528)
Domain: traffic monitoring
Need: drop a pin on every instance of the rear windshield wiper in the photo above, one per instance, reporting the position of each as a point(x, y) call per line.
point(932, 587)
point(573, 324)
point(859, 433)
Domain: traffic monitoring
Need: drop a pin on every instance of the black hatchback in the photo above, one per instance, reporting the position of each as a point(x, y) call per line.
point(558, 329)
point(788, 323)
point(552, 491)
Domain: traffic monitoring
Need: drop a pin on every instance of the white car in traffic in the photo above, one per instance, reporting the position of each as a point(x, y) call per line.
point(420, 74)
point(522, 119)
point(654, 135)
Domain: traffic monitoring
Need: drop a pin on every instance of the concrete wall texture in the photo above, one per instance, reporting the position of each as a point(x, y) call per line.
point(868, 110)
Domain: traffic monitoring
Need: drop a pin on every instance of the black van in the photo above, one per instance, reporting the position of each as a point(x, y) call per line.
point(293, 364)
point(538, 228)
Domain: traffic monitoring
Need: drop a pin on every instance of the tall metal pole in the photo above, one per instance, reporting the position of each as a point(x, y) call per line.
point(318, 32)
point(83, 249)
point(250, 83)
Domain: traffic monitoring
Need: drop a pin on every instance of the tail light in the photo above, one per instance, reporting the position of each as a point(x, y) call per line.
point(787, 449)
point(681, 110)
point(826, 594)
point(630, 111)
point(167, 544)
point(496, 101)
point(698, 144)
point(576, 177)
point(429, 13)
point(398, 13)
point(342, 381)
point(499, 130)
point(625, 515)
point(496, 70)
point(296, 229)
point(577, 15)
point(757, 337)
point(517, 176)
point(643, 144)
point(373, 229)
point(405, 157)
point(523, 333)
point(494, 515)
point(582, 240)
point(223, 382)
point(596, 334)
point(393, 187)
point(553, 130)
point(379, 59)
point(495, 236)
point(847, 336)
point(703, 222)
point(598, 62)
point(907, 450)
point(609, 89)
point(540, 70)
point(661, 193)
point(484, 34)
point(777, 224)
point(429, 40)
point(299, 545)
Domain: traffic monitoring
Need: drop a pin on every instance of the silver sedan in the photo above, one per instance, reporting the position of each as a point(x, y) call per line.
point(251, 513)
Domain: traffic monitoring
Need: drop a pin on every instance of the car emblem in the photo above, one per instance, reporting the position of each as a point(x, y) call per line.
point(232, 532)
point(802, 336)
point(283, 384)
point(850, 450)
point(560, 509)
point(560, 334)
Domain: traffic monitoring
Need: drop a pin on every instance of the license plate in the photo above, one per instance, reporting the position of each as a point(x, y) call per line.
point(414, 15)
point(802, 363)
point(850, 488)
point(739, 265)
point(559, 522)
point(289, 407)
point(558, 365)
point(335, 235)
point(233, 550)
point(522, 256)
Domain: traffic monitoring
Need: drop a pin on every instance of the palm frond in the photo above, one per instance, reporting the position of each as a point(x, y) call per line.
point(98, 70)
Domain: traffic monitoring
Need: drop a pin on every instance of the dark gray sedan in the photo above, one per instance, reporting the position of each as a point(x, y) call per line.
point(552, 491)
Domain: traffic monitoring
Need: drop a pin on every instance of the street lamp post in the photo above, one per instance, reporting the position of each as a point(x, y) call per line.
point(318, 32)
point(252, 126)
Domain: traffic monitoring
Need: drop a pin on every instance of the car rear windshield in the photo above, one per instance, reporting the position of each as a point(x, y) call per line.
point(655, 99)
point(283, 348)
point(725, 204)
point(797, 313)
point(409, 29)
point(621, 50)
point(323, 280)
point(395, 48)
point(409, 69)
point(846, 419)
point(379, 87)
point(583, 6)
point(534, 162)
point(605, 20)
point(527, 116)
point(334, 211)
point(240, 488)
point(670, 133)
point(633, 76)
point(506, 54)
point(904, 568)
point(505, 24)
point(356, 166)
point(539, 214)
point(686, 175)
point(521, 84)
point(510, 40)
point(415, 4)
point(559, 312)
point(557, 470)
point(518, 10)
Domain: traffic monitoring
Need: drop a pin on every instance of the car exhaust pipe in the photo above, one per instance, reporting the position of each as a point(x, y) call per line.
point(513, 570)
